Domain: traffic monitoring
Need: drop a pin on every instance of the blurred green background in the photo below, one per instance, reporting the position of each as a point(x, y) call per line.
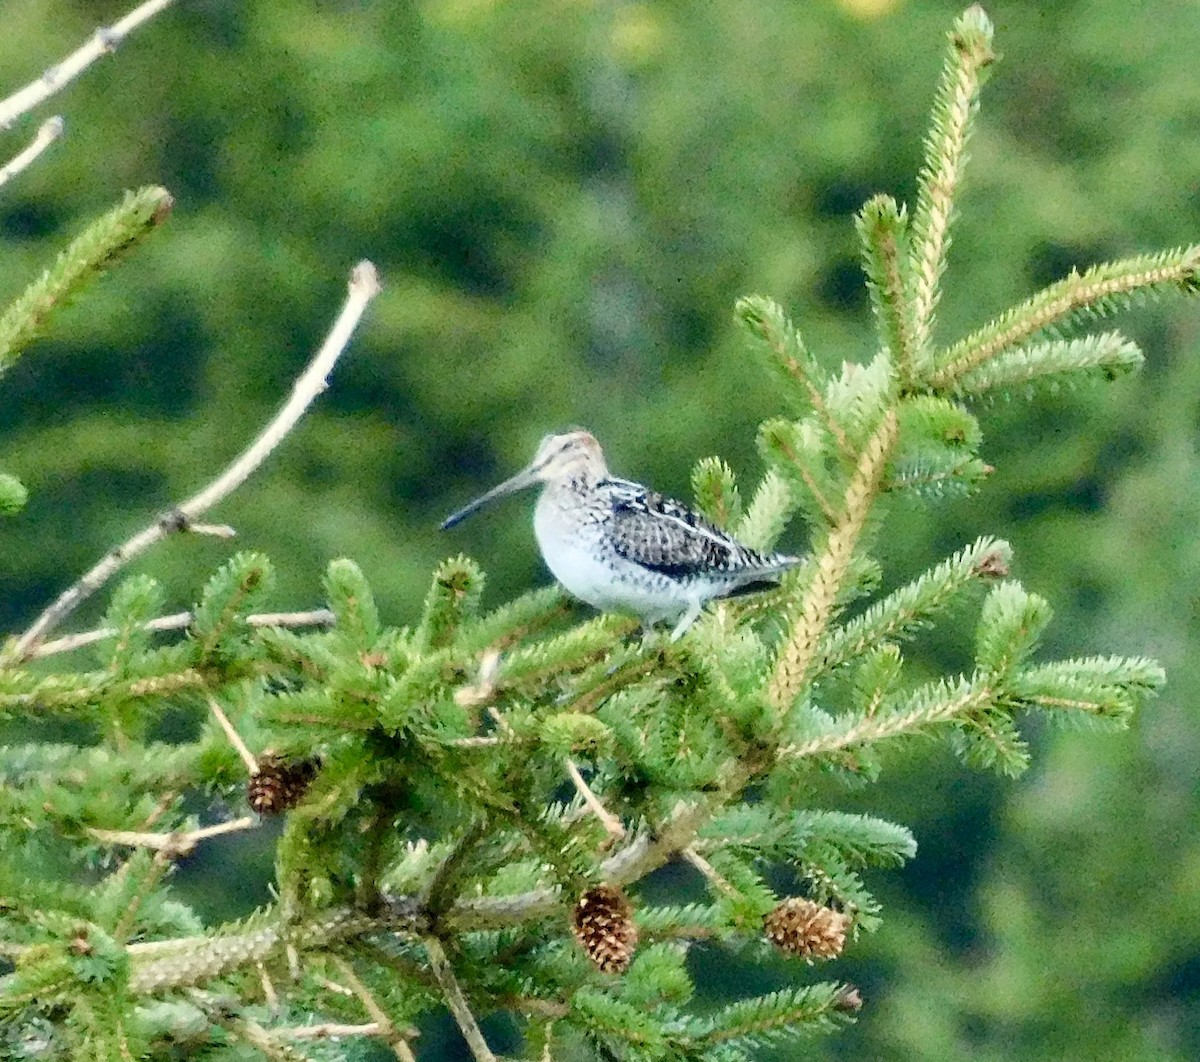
point(564, 198)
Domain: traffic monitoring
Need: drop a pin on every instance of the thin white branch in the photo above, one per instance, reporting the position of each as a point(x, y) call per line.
point(178, 621)
point(385, 1028)
point(172, 844)
point(364, 286)
point(216, 530)
point(235, 739)
point(645, 852)
point(484, 689)
point(327, 1030)
point(717, 880)
point(48, 132)
point(457, 1001)
point(333, 1031)
point(268, 987)
point(101, 43)
point(612, 825)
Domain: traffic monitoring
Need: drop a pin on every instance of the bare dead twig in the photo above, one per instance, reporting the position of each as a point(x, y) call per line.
point(101, 43)
point(457, 1001)
point(235, 739)
point(385, 1028)
point(715, 878)
point(178, 621)
point(172, 844)
point(612, 825)
point(364, 286)
point(48, 132)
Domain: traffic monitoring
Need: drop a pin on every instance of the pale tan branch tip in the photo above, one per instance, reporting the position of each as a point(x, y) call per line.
point(364, 286)
point(48, 132)
point(103, 42)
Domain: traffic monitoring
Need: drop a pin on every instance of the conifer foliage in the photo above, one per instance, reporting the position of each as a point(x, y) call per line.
point(471, 801)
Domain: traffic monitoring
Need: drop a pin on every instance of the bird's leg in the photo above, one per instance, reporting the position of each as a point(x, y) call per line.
point(687, 619)
point(649, 635)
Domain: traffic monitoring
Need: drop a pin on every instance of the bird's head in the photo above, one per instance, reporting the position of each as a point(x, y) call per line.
point(561, 458)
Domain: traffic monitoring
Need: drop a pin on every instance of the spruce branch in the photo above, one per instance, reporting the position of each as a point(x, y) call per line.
point(882, 226)
point(268, 1042)
point(328, 1030)
point(150, 877)
point(363, 287)
point(936, 703)
point(912, 606)
point(1104, 356)
point(439, 891)
point(156, 966)
point(612, 825)
point(1010, 624)
point(954, 108)
point(645, 852)
point(1102, 689)
point(515, 621)
point(48, 132)
point(714, 877)
point(793, 664)
point(770, 1019)
point(103, 42)
point(1098, 290)
point(87, 256)
point(66, 693)
point(768, 512)
point(771, 328)
point(13, 494)
point(715, 489)
point(396, 1039)
point(800, 448)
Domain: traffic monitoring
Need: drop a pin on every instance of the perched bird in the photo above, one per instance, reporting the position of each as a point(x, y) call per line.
point(622, 548)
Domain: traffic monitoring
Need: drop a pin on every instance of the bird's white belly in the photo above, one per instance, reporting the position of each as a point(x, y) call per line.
point(607, 582)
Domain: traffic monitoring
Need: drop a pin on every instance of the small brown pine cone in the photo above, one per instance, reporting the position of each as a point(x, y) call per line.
point(279, 784)
point(603, 923)
point(801, 927)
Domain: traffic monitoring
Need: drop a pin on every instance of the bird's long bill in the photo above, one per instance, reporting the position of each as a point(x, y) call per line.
point(525, 478)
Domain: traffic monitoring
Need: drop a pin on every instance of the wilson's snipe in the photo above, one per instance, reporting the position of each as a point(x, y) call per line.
point(622, 548)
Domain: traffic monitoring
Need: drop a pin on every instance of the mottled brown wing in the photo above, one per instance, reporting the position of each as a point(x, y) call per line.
point(665, 536)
